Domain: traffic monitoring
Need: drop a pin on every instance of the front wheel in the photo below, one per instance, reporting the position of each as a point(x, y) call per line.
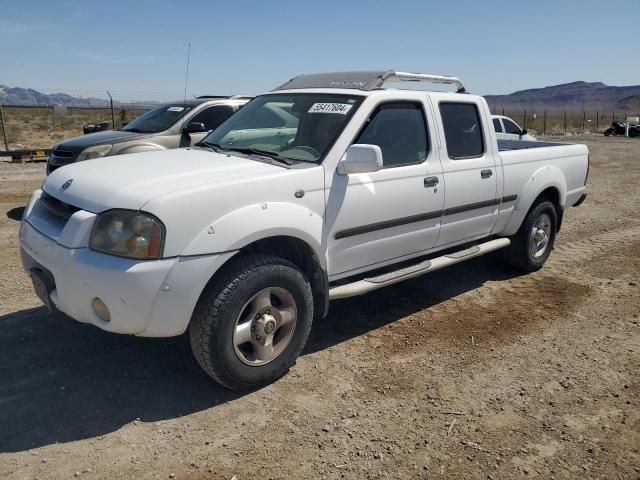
point(252, 321)
point(608, 132)
point(532, 244)
point(634, 132)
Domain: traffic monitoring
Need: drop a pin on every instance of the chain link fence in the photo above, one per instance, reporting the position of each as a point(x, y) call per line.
point(29, 127)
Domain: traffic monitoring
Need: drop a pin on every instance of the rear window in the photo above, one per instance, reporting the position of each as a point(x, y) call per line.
point(462, 130)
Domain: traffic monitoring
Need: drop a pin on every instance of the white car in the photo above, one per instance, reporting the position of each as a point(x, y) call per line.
point(507, 129)
point(246, 239)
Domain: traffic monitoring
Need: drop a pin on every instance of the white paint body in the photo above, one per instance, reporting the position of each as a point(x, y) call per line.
point(506, 124)
point(213, 205)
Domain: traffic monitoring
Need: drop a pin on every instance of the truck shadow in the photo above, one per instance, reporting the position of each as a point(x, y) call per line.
point(62, 381)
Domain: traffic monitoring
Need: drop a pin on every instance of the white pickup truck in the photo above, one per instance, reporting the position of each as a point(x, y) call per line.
point(329, 186)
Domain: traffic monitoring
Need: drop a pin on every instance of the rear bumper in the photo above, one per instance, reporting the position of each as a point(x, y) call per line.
point(580, 200)
point(148, 298)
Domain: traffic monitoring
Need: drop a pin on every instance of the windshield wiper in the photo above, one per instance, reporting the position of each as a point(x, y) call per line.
point(211, 146)
point(262, 153)
point(251, 151)
point(134, 130)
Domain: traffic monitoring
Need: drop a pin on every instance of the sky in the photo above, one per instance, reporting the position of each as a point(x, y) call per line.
point(138, 49)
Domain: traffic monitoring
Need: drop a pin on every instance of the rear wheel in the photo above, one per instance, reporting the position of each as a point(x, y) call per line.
point(532, 244)
point(252, 322)
point(634, 132)
point(608, 132)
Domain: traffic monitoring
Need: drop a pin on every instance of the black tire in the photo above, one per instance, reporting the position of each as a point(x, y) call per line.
point(518, 255)
point(634, 132)
point(608, 132)
point(212, 326)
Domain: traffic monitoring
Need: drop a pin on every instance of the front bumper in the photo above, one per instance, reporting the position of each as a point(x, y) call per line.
point(149, 298)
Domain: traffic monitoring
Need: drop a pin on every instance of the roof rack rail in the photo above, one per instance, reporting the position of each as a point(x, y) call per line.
point(367, 80)
point(230, 97)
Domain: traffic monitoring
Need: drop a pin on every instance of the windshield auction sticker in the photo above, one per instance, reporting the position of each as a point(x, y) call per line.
point(175, 109)
point(340, 108)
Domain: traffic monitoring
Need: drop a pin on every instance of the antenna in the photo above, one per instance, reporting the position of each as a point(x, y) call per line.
point(186, 77)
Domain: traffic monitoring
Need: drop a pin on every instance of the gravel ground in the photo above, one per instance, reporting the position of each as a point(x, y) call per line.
point(470, 372)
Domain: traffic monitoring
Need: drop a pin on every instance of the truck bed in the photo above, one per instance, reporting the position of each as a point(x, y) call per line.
point(504, 145)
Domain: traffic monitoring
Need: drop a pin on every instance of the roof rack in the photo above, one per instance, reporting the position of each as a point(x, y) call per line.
point(230, 97)
point(366, 80)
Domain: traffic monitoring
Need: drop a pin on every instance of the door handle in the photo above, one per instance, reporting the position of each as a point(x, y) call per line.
point(486, 173)
point(431, 182)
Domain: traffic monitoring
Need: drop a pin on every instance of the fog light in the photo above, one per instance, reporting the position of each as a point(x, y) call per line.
point(101, 310)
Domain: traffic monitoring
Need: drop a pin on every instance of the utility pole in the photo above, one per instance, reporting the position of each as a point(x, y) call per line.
point(4, 130)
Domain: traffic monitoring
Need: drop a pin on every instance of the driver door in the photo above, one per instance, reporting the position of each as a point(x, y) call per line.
point(211, 118)
point(382, 217)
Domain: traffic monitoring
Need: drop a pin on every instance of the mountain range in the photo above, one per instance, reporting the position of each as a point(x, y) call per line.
point(30, 97)
point(576, 96)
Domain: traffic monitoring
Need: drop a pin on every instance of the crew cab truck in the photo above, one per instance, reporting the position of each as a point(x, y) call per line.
point(245, 239)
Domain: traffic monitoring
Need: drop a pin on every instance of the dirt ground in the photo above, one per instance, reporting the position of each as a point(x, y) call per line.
point(42, 127)
point(471, 372)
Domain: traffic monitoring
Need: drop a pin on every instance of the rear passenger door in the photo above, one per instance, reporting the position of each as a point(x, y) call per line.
point(468, 163)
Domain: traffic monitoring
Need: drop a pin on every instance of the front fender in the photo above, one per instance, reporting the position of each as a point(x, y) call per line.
point(248, 224)
point(545, 177)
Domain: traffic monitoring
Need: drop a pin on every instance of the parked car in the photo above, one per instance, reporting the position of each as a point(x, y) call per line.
point(169, 125)
point(620, 128)
point(244, 240)
point(507, 129)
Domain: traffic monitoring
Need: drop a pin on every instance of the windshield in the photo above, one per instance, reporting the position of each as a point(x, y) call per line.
point(292, 126)
point(157, 119)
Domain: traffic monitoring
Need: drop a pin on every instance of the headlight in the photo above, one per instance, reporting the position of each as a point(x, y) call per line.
point(128, 233)
point(94, 152)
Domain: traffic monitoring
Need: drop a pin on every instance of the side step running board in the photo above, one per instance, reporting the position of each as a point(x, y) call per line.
point(426, 266)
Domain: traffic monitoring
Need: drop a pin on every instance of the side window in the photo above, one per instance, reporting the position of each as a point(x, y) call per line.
point(462, 130)
point(212, 117)
point(510, 127)
point(399, 129)
point(497, 126)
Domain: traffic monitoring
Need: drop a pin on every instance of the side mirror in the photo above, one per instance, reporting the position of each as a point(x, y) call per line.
point(361, 158)
point(194, 127)
point(523, 132)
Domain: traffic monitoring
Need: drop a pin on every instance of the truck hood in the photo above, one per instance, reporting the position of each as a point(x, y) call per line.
point(106, 137)
point(130, 181)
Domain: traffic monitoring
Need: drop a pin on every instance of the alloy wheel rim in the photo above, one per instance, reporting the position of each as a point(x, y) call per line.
point(540, 236)
point(265, 326)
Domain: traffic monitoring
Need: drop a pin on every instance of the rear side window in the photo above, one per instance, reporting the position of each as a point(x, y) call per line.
point(510, 127)
point(399, 129)
point(212, 117)
point(497, 126)
point(462, 130)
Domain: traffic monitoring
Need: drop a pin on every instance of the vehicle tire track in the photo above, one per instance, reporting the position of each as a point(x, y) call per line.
point(564, 258)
